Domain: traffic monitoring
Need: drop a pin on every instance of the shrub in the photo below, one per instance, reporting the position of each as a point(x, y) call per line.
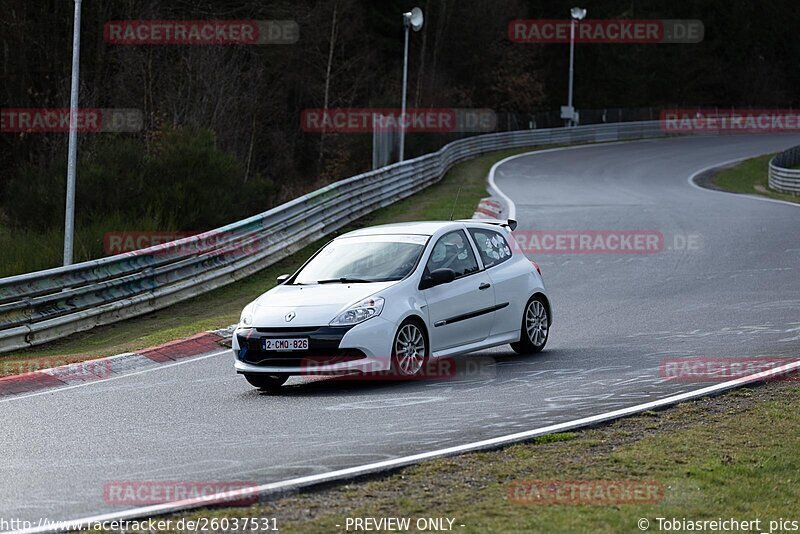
point(184, 180)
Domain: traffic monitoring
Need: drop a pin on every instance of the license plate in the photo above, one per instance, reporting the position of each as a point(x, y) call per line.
point(285, 344)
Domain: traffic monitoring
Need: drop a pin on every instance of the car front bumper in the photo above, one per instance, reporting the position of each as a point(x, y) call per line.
point(365, 347)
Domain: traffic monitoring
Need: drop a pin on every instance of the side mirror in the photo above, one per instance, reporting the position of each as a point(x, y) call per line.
point(282, 278)
point(439, 277)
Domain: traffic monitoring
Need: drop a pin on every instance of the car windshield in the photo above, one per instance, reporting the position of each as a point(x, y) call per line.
point(364, 259)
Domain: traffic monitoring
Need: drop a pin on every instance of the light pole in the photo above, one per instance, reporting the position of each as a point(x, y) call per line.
point(413, 19)
point(69, 216)
point(568, 112)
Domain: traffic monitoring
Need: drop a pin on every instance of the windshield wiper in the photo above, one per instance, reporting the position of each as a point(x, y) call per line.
point(344, 280)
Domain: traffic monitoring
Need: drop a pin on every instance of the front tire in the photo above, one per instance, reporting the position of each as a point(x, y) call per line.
point(409, 350)
point(535, 327)
point(266, 382)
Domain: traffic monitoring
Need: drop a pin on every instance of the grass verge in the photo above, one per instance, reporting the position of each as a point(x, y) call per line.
point(221, 307)
point(732, 456)
point(751, 177)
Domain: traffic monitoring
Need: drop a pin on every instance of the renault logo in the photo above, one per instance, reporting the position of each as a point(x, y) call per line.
point(289, 316)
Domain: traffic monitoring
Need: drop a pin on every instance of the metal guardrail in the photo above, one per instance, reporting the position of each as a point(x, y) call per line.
point(784, 174)
point(54, 303)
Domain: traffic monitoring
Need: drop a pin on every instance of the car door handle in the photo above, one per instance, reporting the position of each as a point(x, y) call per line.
point(484, 286)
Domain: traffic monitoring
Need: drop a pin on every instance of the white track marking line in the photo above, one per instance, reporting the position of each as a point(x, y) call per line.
point(512, 207)
point(295, 483)
point(102, 380)
point(494, 190)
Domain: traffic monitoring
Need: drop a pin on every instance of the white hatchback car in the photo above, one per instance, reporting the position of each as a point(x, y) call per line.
point(391, 297)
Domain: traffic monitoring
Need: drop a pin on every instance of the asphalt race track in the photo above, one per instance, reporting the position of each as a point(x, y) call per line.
point(726, 284)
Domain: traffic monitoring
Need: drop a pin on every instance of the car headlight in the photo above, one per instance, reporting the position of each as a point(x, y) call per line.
point(246, 318)
point(358, 313)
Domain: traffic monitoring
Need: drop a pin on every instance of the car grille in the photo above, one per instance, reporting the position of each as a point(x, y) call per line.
point(289, 330)
point(323, 347)
point(308, 361)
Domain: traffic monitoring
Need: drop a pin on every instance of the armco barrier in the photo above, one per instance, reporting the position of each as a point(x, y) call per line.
point(782, 176)
point(50, 304)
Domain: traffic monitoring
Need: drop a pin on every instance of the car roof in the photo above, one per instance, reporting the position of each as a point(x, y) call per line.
point(414, 228)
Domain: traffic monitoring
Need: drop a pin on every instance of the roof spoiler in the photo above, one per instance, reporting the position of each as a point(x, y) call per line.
point(509, 223)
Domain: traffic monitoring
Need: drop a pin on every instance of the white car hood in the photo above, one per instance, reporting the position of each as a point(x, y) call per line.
point(313, 305)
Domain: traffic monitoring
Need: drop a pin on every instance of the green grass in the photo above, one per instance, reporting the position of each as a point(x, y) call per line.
point(25, 251)
point(552, 438)
point(221, 307)
point(750, 177)
point(728, 456)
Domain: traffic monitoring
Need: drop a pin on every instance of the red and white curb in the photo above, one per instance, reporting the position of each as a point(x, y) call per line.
point(488, 208)
point(102, 368)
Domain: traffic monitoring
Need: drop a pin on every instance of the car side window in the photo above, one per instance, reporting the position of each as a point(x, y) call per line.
point(453, 251)
point(492, 246)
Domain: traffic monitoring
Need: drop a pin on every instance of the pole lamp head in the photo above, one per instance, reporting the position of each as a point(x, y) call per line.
point(413, 19)
point(577, 13)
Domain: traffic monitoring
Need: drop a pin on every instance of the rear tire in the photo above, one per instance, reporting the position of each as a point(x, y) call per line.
point(266, 382)
point(535, 327)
